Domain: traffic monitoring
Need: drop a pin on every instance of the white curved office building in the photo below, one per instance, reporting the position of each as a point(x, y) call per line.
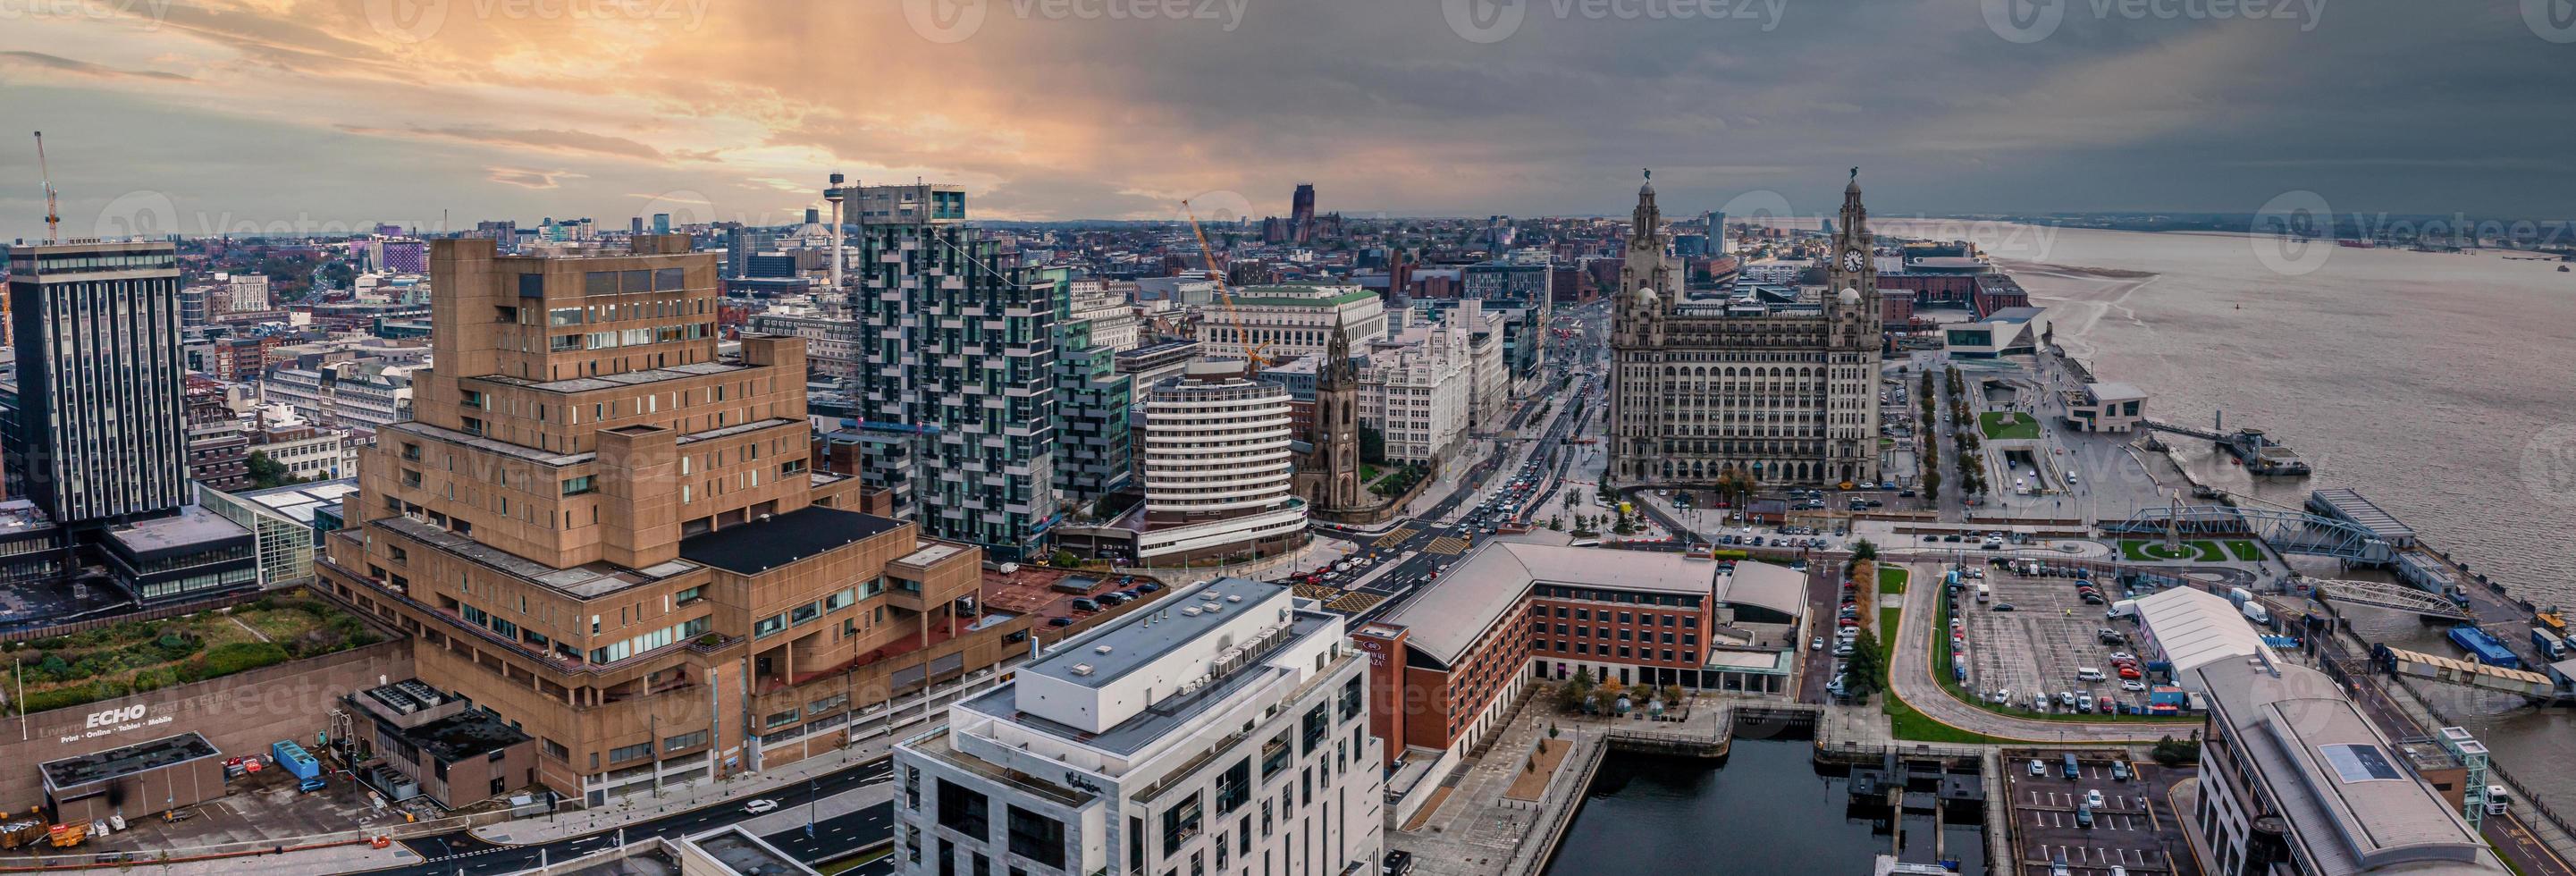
point(1218, 465)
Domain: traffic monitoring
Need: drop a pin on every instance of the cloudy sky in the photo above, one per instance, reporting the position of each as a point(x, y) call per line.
point(213, 115)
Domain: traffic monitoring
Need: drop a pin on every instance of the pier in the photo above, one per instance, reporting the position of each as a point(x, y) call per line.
point(2258, 452)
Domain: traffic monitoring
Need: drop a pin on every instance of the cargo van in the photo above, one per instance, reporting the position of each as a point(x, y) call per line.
point(2087, 673)
point(1985, 592)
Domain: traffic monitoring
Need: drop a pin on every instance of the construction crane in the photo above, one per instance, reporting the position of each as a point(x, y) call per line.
point(53, 217)
point(1251, 353)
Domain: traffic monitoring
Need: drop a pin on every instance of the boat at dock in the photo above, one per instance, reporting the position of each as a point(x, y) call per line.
point(2264, 456)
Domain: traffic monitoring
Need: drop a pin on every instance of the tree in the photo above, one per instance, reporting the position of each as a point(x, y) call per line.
point(1864, 550)
point(2175, 752)
point(266, 472)
point(1863, 673)
point(1372, 445)
point(1064, 558)
point(1575, 691)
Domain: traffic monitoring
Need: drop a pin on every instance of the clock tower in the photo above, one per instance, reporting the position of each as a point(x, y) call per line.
point(1855, 324)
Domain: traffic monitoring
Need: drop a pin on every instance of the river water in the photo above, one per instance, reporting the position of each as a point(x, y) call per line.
point(1764, 811)
point(2442, 386)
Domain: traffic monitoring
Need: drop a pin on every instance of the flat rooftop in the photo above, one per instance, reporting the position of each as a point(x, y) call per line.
point(192, 527)
point(746, 854)
point(2350, 803)
point(762, 545)
point(462, 736)
point(299, 501)
point(1157, 721)
point(583, 581)
point(1133, 643)
point(114, 763)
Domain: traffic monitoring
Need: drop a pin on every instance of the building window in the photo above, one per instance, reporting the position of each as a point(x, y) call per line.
point(1037, 838)
point(964, 811)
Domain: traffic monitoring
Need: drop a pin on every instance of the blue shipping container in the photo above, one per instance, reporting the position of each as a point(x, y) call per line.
point(2484, 648)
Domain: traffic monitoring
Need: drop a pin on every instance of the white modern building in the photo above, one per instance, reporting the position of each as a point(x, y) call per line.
point(1222, 729)
point(1288, 321)
point(1218, 466)
point(831, 339)
point(2294, 779)
point(1420, 396)
point(1105, 307)
point(2106, 407)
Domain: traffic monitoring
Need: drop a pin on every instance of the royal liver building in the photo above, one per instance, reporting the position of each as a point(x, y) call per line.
point(1786, 392)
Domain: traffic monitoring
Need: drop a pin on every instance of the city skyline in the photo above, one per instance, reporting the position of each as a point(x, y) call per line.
point(171, 116)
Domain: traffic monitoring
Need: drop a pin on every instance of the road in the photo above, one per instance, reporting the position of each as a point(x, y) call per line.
point(1431, 540)
point(462, 853)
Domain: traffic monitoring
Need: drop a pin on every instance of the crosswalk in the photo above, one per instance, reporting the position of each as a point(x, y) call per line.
point(1396, 538)
point(1448, 544)
point(1354, 602)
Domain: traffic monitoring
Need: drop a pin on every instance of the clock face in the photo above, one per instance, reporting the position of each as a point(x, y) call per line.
point(1852, 260)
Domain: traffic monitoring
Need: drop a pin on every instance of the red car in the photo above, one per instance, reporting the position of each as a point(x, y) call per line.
point(2129, 672)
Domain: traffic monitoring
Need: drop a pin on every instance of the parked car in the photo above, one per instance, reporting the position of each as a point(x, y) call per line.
point(2037, 768)
point(2093, 798)
point(2003, 606)
point(1059, 622)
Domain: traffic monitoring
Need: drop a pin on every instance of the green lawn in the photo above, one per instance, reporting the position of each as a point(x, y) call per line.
point(2245, 549)
point(1891, 580)
point(1992, 425)
point(2153, 550)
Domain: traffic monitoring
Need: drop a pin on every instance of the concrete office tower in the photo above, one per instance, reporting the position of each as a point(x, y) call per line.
point(1787, 393)
point(1220, 730)
point(957, 387)
point(102, 432)
point(609, 536)
point(1218, 468)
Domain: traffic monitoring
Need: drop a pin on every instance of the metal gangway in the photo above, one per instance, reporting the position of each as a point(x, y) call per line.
point(2385, 595)
point(2289, 532)
point(2466, 673)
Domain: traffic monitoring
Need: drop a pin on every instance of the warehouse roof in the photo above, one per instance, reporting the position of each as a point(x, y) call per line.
point(2194, 628)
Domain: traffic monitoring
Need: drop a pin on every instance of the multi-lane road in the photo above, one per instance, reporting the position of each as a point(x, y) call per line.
point(462, 852)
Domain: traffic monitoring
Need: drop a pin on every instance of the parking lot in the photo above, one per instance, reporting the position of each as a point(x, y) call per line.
point(2037, 647)
point(2134, 828)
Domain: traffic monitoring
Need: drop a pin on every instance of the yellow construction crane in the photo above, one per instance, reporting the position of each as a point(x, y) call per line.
point(53, 217)
point(1251, 353)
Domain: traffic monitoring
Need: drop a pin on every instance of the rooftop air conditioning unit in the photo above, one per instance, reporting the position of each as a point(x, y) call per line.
point(1104, 649)
point(1190, 612)
point(1082, 669)
point(1211, 607)
point(1234, 598)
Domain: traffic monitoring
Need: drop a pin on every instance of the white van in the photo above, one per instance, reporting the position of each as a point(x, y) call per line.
point(1985, 592)
point(2498, 799)
point(2087, 673)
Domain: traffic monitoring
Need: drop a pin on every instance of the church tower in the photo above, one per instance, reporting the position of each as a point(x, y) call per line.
point(1854, 330)
point(1336, 439)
